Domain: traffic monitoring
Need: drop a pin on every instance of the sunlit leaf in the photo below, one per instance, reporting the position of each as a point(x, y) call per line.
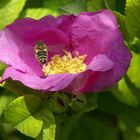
point(134, 70)
point(22, 112)
point(27, 115)
point(122, 24)
point(9, 11)
point(132, 17)
point(125, 94)
point(37, 13)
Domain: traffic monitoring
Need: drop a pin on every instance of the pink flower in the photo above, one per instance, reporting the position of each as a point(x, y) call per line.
point(86, 53)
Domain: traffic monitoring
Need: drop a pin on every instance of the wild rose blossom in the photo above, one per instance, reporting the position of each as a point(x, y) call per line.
point(86, 53)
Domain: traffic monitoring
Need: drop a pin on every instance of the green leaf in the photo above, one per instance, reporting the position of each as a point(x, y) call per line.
point(38, 13)
point(134, 70)
point(28, 115)
point(5, 99)
point(48, 129)
point(132, 17)
point(125, 94)
point(129, 87)
point(9, 11)
point(22, 114)
point(2, 67)
point(75, 7)
point(95, 5)
point(55, 4)
point(134, 45)
point(122, 24)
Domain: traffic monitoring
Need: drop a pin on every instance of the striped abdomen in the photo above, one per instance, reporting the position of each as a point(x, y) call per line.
point(42, 56)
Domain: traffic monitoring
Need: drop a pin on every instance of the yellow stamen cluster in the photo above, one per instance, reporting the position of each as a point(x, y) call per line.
point(65, 64)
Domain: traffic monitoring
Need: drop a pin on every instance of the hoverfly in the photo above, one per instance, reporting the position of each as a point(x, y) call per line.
point(41, 52)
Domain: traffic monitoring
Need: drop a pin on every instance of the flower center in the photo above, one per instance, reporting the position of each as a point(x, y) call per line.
point(65, 64)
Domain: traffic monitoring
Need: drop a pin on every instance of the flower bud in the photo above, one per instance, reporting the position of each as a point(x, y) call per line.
point(58, 102)
point(79, 103)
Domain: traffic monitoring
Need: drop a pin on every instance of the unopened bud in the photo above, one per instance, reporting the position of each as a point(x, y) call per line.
point(58, 102)
point(78, 103)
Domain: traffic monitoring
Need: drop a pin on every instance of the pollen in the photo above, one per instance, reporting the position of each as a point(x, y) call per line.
point(65, 64)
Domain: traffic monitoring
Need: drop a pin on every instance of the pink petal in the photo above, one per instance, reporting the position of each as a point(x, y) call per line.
point(50, 83)
point(100, 63)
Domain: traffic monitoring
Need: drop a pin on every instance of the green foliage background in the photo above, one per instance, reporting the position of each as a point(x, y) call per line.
point(117, 113)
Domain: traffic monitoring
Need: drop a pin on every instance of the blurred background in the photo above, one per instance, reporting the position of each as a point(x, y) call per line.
point(117, 116)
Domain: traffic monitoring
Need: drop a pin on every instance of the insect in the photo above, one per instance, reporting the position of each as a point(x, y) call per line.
point(41, 52)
